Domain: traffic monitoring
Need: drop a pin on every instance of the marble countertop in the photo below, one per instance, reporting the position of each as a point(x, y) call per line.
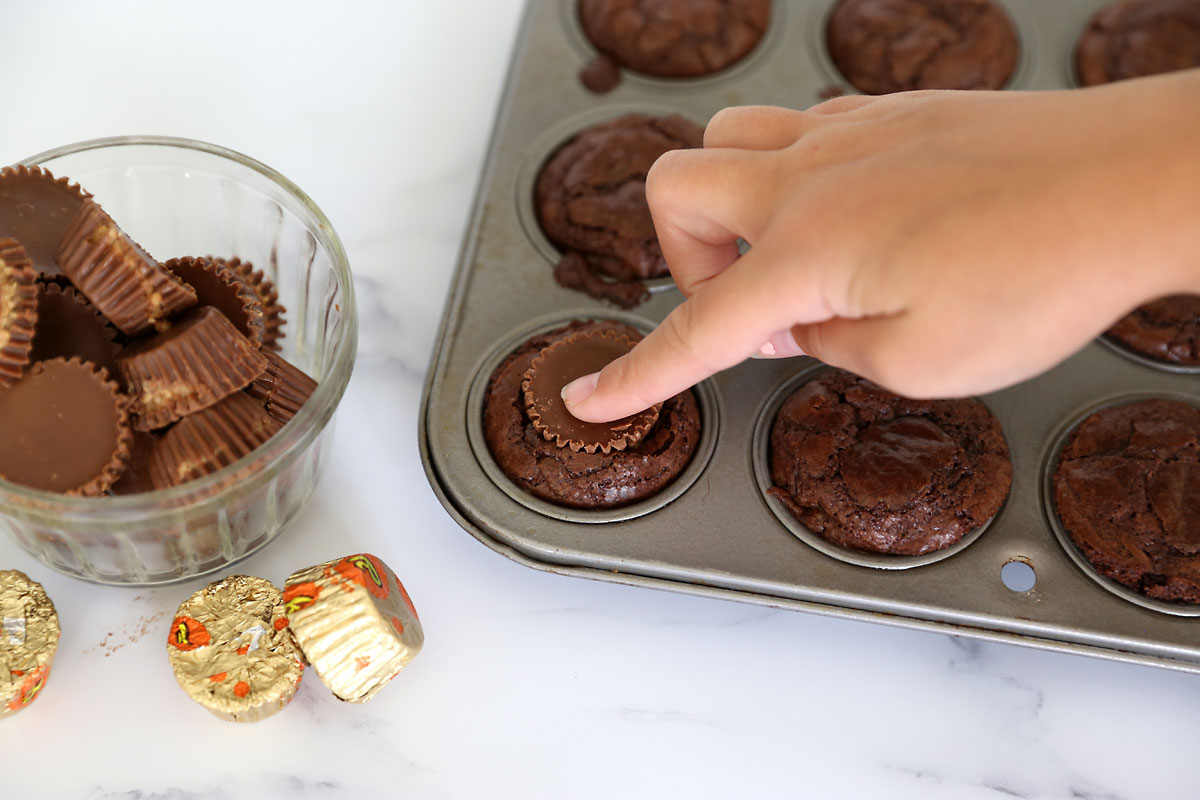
point(530, 684)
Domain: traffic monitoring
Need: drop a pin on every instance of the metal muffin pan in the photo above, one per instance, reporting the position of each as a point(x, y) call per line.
point(714, 532)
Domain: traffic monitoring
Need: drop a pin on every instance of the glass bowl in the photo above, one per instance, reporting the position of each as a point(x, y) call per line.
point(181, 197)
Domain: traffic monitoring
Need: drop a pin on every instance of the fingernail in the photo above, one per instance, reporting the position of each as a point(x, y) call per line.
point(580, 389)
point(781, 345)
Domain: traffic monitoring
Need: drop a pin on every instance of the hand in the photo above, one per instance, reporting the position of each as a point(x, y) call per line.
point(939, 243)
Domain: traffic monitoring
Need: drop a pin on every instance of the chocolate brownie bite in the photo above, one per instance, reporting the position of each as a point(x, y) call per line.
point(581, 479)
point(884, 46)
point(675, 38)
point(1166, 330)
point(1133, 38)
point(871, 471)
point(591, 203)
point(1127, 491)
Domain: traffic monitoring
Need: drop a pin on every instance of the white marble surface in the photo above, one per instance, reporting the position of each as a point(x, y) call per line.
point(531, 685)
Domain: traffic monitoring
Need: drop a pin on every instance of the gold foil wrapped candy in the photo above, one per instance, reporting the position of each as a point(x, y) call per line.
point(355, 623)
point(231, 651)
point(28, 640)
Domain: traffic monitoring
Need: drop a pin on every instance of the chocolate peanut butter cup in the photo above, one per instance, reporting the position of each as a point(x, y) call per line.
point(68, 325)
point(136, 477)
point(218, 286)
point(563, 361)
point(18, 311)
point(282, 388)
point(201, 360)
point(64, 427)
point(28, 640)
point(118, 276)
point(231, 651)
point(264, 289)
point(36, 209)
point(208, 440)
point(582, 480)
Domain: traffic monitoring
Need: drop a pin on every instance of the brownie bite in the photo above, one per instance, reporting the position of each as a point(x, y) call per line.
point(675, 38)
point(1133, 38)
point(1167, 330)
point(565, 477)
point(871, 471)
point(884, 46)
point(1127, 491)
point(591, 203)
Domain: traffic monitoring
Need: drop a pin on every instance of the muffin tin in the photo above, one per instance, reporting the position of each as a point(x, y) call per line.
point(714, 532)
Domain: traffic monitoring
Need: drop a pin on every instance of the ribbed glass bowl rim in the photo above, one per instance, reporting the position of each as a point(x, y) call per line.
point(303, 428)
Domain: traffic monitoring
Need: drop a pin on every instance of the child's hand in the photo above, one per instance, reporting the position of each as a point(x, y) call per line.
point(938, 243)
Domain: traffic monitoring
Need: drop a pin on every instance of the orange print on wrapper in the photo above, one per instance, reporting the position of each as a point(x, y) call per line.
point(34, 682)
point(365, 570)
point(188, 634)
point(299, 596)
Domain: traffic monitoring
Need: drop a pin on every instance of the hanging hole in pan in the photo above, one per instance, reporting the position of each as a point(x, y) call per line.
point(1018, 575)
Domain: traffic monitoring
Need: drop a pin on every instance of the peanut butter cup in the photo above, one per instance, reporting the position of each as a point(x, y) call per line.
point(64, 428)
point(68, 325)
point(136, 477)
point(204, 442)
point(18, 311)
point(117, 276)
point(264, 289)
point(218, 286)
point(36, 209)
point(580, 479)
point(201, 360)
point(282, 388)
point(563, 361)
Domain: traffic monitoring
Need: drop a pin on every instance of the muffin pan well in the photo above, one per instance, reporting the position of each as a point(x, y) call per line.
point(714, 532)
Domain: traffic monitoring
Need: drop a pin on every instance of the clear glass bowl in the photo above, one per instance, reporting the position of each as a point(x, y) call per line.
point(181, 197)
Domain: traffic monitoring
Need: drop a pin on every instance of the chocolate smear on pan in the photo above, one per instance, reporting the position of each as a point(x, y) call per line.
point(136, 478)
point(208, 440)
point(282, 388)
point(64, 428)
point(562, 362)
point(68, 325)
point(218, 286)
point(36, 209)
point(600, 75)
point(18, 311)
point(264, 288)
point(201, 360)
point(118, 276)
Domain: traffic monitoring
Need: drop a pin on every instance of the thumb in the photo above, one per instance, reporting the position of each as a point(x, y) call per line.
point(726, 320)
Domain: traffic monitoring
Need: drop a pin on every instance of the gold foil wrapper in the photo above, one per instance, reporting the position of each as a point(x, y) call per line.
point(28, 640)
point(355, 623)
point(231, 651)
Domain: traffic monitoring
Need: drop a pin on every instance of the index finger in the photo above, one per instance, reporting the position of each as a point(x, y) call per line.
point(723, 323)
